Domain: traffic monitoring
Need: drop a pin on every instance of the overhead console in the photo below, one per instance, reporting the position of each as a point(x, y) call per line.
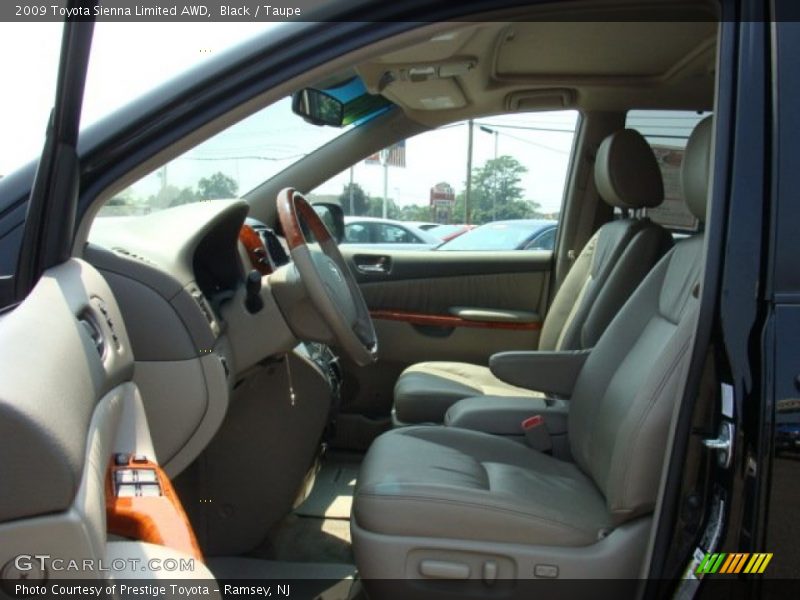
point(596, 55)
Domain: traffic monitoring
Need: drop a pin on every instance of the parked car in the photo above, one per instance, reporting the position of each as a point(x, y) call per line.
point(450, 231)
point(175, 392)
point(517, 234)
point(424, 225)
point(787, 437)
point(378, 232)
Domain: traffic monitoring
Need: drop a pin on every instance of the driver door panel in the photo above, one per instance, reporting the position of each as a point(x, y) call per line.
point(67, 406)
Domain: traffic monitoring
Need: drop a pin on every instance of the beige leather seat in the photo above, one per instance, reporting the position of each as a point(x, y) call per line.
point(610, 266)
point(445, 502)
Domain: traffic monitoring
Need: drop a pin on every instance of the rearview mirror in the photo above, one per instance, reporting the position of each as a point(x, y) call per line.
point(318, 107)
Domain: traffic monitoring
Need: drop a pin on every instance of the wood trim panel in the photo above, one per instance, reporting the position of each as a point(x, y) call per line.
point(256, 251)
point(158, 520)
point(449, 320)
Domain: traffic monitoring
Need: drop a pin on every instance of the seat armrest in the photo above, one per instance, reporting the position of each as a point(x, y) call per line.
point(548, 372)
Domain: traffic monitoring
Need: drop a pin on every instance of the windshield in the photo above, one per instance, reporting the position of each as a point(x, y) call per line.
point(227, 165)
point(116, 75)
point(503, 235)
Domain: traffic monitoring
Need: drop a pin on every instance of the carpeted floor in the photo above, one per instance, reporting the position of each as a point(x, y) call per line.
point(332, 494)
point(309, 539)
point(318, 530)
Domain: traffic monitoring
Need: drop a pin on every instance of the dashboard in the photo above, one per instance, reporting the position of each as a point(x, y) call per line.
point(206, 247)
point(220, 381)
point(178, 276)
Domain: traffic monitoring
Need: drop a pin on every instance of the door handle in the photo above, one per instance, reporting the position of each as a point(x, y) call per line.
point(372, 268)
point(372, 265)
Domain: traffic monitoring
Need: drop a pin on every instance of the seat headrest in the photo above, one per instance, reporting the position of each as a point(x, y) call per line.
point(696, 168)
point(626, 172)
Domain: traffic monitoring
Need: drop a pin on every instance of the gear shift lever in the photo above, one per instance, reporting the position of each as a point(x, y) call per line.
point(253, 301)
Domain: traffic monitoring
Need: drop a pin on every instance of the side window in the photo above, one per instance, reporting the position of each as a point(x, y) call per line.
point(392, 234)
point(668, 131)
point(519, 166)
point(543, 241)
point(356, 233)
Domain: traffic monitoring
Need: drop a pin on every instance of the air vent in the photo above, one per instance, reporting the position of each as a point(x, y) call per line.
point(198, 297)
point(90, 325)
point(129, 254)
point(103, 309)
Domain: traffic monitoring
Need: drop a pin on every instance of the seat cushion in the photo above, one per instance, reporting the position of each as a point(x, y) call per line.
point(425, 391)
point(459, 484)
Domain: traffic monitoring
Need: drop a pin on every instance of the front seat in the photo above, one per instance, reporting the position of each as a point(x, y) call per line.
point(608, 269)
point(448, 502)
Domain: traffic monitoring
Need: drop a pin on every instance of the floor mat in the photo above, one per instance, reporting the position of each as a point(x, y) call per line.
point(308, 539)
point(318, 530)
point(332, 494)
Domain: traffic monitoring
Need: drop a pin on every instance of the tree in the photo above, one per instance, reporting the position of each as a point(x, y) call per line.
point(496, 194)
point(415, 212)
point(216, 187)
point(169, 196)
point(376, 208)
point(361, 200)
point(185, 196)
point(124, 198)
point(163, 198)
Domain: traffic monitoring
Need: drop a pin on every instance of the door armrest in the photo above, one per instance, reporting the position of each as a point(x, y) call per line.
point(548, 372)
point(494, 315)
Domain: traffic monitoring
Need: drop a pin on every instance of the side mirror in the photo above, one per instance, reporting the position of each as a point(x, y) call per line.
point(333, 217)
point(318, 107)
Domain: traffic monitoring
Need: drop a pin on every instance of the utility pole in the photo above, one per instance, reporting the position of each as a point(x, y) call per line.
point(469, 173)
point(385, 163)
point(496, 134)
point(352, 211)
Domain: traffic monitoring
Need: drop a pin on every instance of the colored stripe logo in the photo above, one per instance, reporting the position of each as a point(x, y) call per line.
point(732, 563)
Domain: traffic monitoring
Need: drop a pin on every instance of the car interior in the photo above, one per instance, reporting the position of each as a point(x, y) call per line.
point(221, 380)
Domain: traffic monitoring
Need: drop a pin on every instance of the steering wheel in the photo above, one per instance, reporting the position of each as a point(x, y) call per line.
point(328, 280)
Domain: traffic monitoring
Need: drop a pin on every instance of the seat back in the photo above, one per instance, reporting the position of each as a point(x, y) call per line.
point(625, 394)
point(616, 259)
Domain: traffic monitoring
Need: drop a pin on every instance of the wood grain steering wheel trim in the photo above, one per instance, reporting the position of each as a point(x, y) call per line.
point(256, 251)
point(293, 206)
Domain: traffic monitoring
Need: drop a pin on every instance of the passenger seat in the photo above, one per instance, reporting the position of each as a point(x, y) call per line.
point(611, 265)
point(450, 502)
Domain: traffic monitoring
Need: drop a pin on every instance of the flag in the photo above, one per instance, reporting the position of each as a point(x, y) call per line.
point(395, 156)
